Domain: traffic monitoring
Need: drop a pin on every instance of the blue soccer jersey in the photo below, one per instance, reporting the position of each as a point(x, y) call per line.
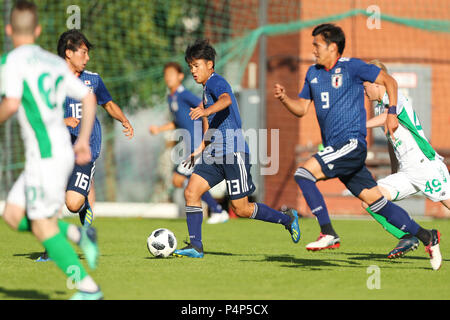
point(73, 109)
point(338, 96)
point(180, 104)
point(228, 137)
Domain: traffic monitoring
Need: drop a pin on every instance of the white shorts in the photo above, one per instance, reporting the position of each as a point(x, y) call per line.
point(41, 187)
point(431, 178)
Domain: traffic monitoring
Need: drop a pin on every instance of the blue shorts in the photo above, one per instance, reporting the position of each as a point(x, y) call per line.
point(81, 177)
point(346, 161)
point(235, 171)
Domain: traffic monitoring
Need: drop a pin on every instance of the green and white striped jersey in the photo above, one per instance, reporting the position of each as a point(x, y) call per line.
point(411, 144)
point(41, 80)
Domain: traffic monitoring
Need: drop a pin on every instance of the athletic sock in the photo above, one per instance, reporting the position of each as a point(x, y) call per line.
point(307, 183)
point(395, 215)
point(60, 251)
point(212, 203)
point(265, 213)
point(68, 230)
point(24, 225)
point(424, 235)
point(396, 232)
point(82, 212)
point(194, 219)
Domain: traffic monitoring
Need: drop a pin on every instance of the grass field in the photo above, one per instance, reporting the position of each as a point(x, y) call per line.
point(244, 260)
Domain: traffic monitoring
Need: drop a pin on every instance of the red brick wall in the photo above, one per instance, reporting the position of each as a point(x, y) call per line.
point(393, 43)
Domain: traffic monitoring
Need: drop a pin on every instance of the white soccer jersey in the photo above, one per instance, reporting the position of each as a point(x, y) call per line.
point(42, 81)
point(411, 144)
point(421, 168)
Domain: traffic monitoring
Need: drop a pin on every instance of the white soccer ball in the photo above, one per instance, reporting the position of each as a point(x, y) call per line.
point(161, 243)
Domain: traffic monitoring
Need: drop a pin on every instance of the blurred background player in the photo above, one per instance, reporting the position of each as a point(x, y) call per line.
point(419, 166)
point(74, 48)
point(180, 102)
point(35, 83)
point(223, 154)
point(335, 84)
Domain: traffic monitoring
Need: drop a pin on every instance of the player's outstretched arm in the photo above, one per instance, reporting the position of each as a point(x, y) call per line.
point(8, 107)
point(165, 127)
point(114, 111)
point(377, 121)
point(297, 107)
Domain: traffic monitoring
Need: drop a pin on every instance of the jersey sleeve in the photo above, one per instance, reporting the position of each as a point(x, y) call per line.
point(75, 88)
point(306, 91)
point(191, 99)
point(11, 81)
point(364, 71)
point(218, 87)
point(102, 93)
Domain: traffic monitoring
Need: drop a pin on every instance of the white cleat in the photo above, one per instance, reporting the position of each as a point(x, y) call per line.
point(433, 250)
point(218, 218)
point(324, 241)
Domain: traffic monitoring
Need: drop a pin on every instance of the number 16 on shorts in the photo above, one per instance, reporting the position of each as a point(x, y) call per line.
point(80, 180)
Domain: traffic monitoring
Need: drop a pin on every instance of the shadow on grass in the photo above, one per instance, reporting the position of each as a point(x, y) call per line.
point(23, 294)
point(29, 255)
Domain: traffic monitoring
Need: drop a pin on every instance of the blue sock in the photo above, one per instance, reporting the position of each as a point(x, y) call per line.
point(211, 202)
point(307, 183)
point(265, 213)
point(194, 219)
point(395, 215)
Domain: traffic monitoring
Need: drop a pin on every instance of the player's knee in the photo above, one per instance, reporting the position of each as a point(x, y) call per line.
point(190, 195)
point(242, 211)
point(178, 182)
point(74, 205)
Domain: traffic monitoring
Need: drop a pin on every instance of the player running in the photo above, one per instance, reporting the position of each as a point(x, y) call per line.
point(34, 83)
point(180, 102)
point(335, 84)
point(223, 154)
point(420, 167)
point(74, 48)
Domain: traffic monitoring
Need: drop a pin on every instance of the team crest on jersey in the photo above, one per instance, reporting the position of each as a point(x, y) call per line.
point(174, 105)
point(336, 80)
point(338, 70)
point(87, 82)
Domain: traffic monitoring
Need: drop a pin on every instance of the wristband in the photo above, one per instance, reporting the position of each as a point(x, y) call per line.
point(392, 110)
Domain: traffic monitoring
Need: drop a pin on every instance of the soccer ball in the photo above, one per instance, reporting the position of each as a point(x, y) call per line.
point(161, 243)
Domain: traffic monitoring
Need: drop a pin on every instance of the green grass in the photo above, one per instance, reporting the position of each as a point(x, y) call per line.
point(244, 260)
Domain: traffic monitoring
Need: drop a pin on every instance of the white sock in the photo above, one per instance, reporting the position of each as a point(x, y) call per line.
point(73, 233)
point(88, 285)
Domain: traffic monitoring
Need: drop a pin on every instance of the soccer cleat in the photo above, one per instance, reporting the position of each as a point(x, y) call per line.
point(293, 226)
point(218, 218)
point(404, 246)
point(324, 241)
point(43, 258)
point(88, 218)
point(88, 243)
point(190, 251)
point(82, 295)
point(433, 250)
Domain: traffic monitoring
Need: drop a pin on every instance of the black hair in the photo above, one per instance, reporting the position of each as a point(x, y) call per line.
point(174, 65)
point(72, 40)
point(201, 49)
point(331, 34)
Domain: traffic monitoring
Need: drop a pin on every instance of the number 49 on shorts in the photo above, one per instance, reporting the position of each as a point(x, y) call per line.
point(433, 186)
